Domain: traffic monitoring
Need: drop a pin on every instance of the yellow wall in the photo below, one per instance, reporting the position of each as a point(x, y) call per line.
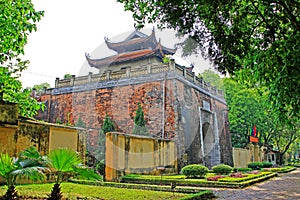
point(242, 157)
point(7, 142)
point(137, 154)
point(62, 137)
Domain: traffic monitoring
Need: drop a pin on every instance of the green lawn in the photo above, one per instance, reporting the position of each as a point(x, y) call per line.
point(72, 191)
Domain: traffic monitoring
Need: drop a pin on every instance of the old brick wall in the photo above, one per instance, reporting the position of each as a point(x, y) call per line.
point(160, 95)
point(186, 101)
point(120, 103)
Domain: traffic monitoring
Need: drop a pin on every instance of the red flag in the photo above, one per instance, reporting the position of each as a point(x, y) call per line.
point(254, 131)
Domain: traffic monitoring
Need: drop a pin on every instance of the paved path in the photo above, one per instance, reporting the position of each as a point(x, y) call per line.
point(285, 186)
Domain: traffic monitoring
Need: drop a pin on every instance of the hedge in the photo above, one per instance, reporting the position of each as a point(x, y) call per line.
point(222, 169)
point(194, 170)
point(255, 165)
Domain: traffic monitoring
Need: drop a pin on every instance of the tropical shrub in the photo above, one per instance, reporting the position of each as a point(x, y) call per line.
point(222, 169)
point(64, 160)
point(194, 170)
point(29, 164)
point(255, 165)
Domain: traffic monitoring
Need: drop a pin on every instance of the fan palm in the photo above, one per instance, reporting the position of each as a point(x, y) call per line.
point(64, 160)
point(29, 164)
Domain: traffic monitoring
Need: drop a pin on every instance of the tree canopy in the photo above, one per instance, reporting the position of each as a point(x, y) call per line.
point(248, 107)
point(39, 88)
point(17, 19)
point(262, 38)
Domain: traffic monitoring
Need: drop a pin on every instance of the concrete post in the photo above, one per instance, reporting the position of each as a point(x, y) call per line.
point(172, 65)
point(108, 72)
point(128, 71)
point(56, 82)
point(90, 77)
point(72, 80)
point(184, 72)
point(194, 77)
point(256, 153)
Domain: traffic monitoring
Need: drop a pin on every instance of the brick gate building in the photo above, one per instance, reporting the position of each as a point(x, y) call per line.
point(177, 104)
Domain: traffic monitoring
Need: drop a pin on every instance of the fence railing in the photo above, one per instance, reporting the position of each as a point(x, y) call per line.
point(141, 71)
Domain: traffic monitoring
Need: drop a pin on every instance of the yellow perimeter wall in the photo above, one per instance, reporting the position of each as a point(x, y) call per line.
point(242, 157)
point(137, 154)
point(44, 136)
point(62, 137)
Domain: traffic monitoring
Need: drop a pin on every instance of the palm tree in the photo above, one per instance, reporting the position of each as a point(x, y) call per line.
point(66, 160)
point(29, 164)
point(62, 160)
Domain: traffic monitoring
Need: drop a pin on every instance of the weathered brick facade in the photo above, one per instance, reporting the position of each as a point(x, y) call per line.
point(172, 106)
point(177, 104)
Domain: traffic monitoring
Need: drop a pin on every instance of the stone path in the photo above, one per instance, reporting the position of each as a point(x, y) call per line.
point(285, 186)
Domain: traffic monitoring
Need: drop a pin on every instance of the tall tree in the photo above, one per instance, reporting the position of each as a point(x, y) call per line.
point(259, 37)
point(283, 138)
point(108, 125)
point(139, 122)
point(39, 88)
point(246, 109)
point(213, 78)
point(17, 19)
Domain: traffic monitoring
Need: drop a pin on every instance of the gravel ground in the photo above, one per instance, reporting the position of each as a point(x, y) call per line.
point(285, 186)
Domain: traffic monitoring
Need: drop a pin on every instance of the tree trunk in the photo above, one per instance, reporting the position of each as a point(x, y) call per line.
point(11, 194)
point(281, 159)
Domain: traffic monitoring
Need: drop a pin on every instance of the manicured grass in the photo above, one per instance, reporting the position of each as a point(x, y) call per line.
point(75, 191)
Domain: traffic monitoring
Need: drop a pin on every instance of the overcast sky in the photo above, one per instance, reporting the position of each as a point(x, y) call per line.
point(68, 30)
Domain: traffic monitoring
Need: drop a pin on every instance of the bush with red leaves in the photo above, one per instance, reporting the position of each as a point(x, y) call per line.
point(215, 178)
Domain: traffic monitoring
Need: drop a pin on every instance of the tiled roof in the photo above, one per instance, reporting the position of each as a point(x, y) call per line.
point(133, 44)
point(122, 57)
point(137, 42)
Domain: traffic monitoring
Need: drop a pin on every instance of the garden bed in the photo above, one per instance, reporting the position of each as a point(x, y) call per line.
point(179, 180)
point(281, 169)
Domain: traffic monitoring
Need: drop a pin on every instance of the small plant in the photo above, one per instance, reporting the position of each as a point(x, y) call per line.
point(222, 169)
point(194, 170)
point(255, 165)
point(100, 167)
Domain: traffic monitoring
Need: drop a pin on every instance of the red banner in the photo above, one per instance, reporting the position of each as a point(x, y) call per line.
point(253, 139)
